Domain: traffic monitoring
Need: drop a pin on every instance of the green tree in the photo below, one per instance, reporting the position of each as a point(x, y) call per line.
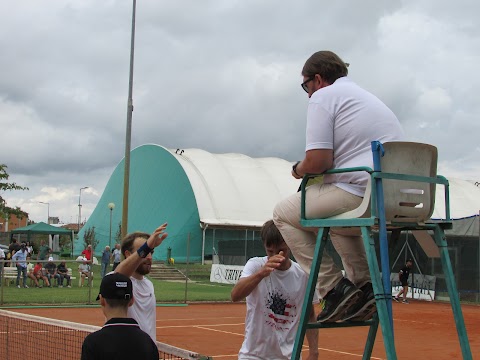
point(90, 239)
point(6, 211)
point(118, 235)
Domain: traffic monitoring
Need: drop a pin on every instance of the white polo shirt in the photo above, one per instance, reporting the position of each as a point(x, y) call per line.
point(346, 118)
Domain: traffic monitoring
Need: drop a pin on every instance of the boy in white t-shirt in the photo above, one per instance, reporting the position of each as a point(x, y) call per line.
point(274, 288)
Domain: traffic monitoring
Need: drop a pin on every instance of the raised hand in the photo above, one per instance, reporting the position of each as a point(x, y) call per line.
point(272, 263)
point(157, 236)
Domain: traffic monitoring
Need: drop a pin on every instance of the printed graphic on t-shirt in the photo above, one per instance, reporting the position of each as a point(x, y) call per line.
point(280, 311)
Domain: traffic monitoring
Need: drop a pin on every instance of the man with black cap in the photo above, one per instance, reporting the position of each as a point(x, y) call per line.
point(403, 277)
point(114, 340)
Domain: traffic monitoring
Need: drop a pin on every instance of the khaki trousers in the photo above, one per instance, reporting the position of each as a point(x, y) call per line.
point(322, 201)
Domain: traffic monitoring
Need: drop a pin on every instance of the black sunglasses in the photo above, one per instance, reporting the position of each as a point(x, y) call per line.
point(304, 84)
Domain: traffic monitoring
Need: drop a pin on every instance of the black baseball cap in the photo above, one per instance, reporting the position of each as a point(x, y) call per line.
point(116, 286)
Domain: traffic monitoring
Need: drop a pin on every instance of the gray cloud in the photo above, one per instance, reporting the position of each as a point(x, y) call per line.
point(220, 76)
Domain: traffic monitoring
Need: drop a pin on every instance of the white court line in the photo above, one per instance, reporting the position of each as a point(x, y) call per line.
point(197, 326)
point(418, 322)
point(205, 318)
point(304, 346)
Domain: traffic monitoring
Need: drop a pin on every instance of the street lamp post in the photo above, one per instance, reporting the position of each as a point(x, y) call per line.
point(111, 206)
point(48, 210)
point(80, 207)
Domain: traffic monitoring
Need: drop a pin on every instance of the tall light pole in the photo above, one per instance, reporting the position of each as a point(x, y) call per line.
point(111, 206)
point(80, 207)
point(128, 138)
point(48, 210)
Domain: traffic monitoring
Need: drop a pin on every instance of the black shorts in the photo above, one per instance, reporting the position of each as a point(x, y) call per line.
point(404, 282)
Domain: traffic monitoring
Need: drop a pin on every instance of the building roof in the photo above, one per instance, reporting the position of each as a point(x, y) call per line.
point(235, 189)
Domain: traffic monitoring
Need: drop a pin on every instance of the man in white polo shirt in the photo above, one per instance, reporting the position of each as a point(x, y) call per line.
point(342, 121)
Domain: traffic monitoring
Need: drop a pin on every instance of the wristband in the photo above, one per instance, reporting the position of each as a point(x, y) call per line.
point(144, 250)
point(294, 168)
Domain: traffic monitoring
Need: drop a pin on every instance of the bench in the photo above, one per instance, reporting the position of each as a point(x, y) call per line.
point(10, 272)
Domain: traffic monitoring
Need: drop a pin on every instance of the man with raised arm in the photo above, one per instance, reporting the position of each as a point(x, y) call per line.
point(137, 248)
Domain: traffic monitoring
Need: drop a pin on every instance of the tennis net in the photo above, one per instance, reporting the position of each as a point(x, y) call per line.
point(24, 336)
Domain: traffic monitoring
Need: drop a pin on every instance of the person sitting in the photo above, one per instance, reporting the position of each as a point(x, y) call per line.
point(30, 274)
point(51, 269)
point(38, 273)
point(84, 270)
point(63, 273)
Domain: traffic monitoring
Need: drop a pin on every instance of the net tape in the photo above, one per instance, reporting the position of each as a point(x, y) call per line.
point(25, 336)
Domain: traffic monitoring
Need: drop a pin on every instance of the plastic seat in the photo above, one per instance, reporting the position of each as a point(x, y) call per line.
point(400, 195)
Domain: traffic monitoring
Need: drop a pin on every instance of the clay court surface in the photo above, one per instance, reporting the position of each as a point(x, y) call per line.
point(423, 330)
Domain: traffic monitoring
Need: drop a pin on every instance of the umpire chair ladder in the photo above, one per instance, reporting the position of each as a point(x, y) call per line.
point(400, 195)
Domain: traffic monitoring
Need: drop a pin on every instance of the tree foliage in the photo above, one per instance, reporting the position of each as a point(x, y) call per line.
point(89, 238)
point(118, 235)
point(5, 210)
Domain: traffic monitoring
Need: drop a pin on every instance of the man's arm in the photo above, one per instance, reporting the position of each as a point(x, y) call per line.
point(246, 285)
point(128, 266)
point(315, 162)
point(312, 338)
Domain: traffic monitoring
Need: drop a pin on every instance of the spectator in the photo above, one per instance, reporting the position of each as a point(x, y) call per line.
point(84, 270)
point(62, 271)
point(106, 255)
point(116, 256)
point(20, 258)
point(51, 269)
point(30, 273)
point(114, 341)
point(43, 251)
point(2, 264)
point(87, 253)
point(29, 248)
point(13, 247)
point(39, 275)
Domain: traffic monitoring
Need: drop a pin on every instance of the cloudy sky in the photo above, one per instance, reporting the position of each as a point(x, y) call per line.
point(220, 75)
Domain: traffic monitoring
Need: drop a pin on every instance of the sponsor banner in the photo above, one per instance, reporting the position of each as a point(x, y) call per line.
point(225, 274)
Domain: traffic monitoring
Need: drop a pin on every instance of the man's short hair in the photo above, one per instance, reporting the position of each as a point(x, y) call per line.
point(129, 239)
point(327, 64)
point(270, 234)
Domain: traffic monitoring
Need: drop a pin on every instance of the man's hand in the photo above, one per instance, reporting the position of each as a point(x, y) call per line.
point(273, 263)
point(157, 237)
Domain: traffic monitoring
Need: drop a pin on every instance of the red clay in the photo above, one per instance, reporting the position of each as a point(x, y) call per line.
point(423, 330)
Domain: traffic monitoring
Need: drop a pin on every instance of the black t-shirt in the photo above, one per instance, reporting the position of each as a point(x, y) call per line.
point(118, 339)
point(404, 273)
point(50, 267)
point(62, 269)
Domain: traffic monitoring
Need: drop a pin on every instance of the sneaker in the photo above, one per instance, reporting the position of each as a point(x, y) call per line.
point(338, 301)
point(396, 299)
point(18, 286)
point(405, 301)
point(25, 286)
point(68, 286)
point(364, 309)
point(60, 286)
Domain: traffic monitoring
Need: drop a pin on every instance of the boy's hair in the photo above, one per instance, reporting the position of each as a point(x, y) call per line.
point(270, 234)
point(128, 240)
point(118, 303)
point(327, 64)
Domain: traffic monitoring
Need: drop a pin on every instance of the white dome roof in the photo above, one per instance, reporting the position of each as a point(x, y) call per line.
point(234, 189)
